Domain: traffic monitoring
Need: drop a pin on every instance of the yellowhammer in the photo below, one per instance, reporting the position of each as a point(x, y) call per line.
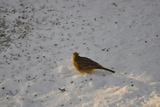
point(86, 65)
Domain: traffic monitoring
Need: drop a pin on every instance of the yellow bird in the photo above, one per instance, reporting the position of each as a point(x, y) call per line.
point(86, 65)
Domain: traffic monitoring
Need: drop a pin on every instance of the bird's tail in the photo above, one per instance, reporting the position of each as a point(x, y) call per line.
point(108, 70)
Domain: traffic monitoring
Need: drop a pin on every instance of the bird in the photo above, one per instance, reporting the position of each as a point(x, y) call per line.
point(86, 65)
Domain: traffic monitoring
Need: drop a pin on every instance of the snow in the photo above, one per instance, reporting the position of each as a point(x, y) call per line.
point(38, 38)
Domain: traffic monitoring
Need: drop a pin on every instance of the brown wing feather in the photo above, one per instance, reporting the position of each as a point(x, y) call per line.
point(88, 63)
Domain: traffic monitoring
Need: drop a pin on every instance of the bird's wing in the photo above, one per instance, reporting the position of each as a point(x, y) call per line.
point(88, 63)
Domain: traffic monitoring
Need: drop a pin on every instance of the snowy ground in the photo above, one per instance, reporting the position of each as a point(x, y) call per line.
point(38, 37)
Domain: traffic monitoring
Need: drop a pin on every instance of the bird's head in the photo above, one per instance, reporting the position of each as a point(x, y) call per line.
point(75, 54)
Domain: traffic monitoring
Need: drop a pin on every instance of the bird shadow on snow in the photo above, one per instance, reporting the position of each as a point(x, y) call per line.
point(138, 80)
point(138, 83)
point(123, 79)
